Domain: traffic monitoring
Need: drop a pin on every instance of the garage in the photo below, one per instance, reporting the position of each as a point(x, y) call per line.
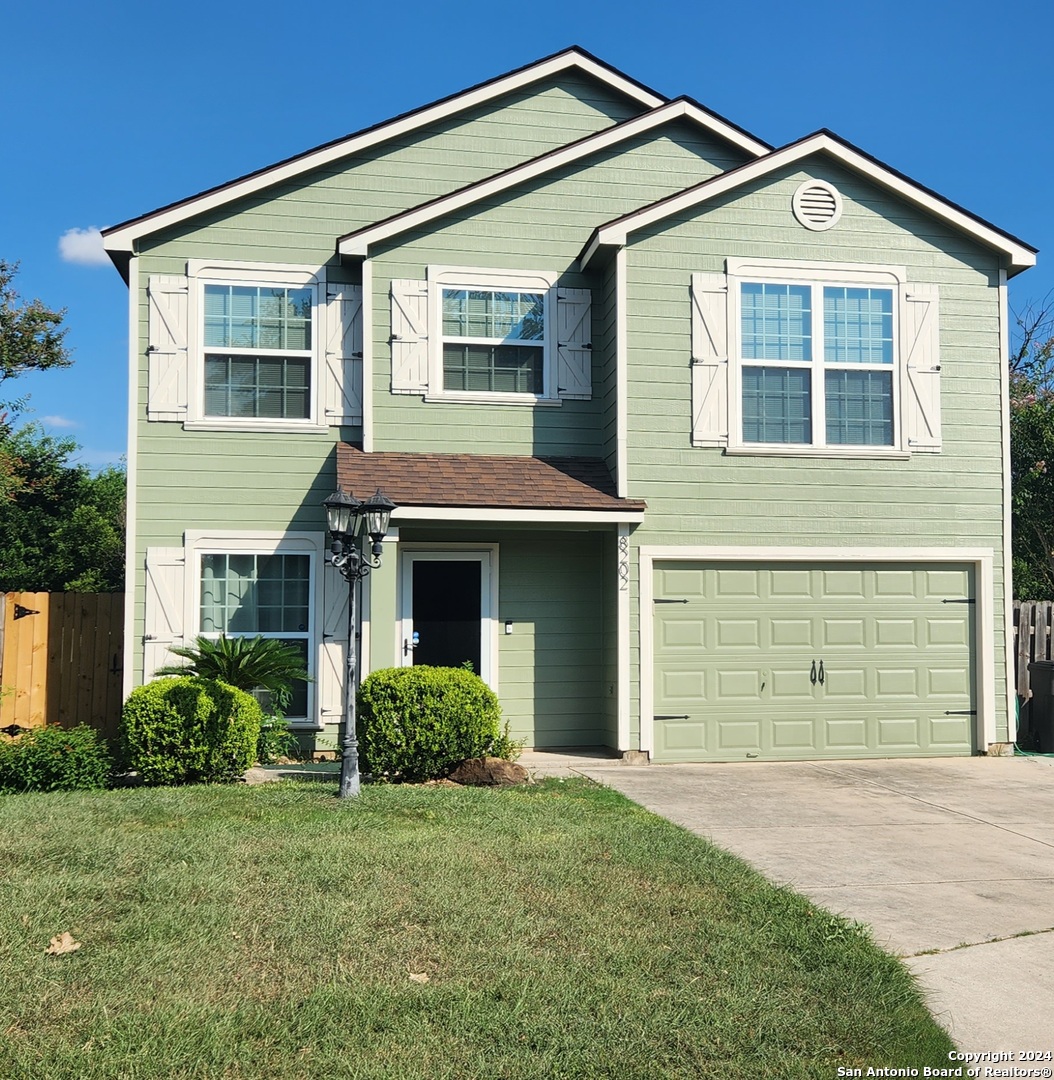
point(795, 661)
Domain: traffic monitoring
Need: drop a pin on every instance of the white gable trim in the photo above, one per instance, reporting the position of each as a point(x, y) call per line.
point(121, 238)
point(615, 233)
point(358, 243)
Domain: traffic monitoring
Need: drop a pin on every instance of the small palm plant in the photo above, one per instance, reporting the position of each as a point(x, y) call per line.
point(254, 664)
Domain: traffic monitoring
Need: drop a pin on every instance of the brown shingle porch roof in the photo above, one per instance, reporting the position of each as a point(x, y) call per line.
point(482, 480)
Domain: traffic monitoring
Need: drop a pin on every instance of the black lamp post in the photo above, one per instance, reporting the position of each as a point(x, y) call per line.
point(345, 517)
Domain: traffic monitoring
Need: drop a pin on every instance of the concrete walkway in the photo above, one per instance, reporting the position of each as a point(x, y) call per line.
point(949, 860)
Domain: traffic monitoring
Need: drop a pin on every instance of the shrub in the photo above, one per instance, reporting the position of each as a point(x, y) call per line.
point(276, 740)
point(255, 663)
point(417, 723)
point(189, 730)
point(55, 759)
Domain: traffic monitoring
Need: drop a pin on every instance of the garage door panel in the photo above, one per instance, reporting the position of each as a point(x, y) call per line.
point(738, 650)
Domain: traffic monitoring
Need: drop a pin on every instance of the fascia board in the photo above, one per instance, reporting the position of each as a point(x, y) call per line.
point(358, 243)
point(121, 238)
point(499, 514)
point(616, 232)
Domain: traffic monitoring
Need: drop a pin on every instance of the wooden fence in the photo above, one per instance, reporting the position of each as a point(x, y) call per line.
point(60, 660)
point(1033, 639)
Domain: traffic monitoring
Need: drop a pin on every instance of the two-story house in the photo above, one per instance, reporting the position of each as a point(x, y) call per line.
point(699, 446)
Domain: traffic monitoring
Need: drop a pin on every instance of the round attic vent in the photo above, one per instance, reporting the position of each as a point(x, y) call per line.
point(817, 205)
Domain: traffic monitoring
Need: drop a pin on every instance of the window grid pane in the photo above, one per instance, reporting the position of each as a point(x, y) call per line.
point(859, 408)
point(776, 321)
point(510, 369)
point(245, 595)
point(858, 326)
point(502, 316)
point(258, 317)
point(777, 405)
point(267, 387)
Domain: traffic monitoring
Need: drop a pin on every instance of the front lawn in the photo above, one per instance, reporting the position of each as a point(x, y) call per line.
point(551, 931)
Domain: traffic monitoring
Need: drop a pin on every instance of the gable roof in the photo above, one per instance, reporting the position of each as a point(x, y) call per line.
point(615, 232)
point(119, 239)
point(683, 108)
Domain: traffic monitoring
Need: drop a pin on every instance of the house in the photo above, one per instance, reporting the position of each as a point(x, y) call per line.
point(699, 446)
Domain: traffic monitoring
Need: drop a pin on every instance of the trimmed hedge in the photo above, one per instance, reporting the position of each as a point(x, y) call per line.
point(55, 759)
point(189, 730)
point(417, 723)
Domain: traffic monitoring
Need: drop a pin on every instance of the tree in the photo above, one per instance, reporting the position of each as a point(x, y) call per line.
point(1032, 452)
point(31, 335)
point(61, 526)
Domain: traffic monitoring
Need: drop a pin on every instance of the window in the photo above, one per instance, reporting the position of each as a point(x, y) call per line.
point(494, 341)
point(257, 351)
point(815, 358)
point(817, 364)
point(245, 594)
point(491, 336)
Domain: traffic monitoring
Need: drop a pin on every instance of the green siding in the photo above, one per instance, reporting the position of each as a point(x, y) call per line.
point(551, 668)
point(701, 496)
point(539, 226)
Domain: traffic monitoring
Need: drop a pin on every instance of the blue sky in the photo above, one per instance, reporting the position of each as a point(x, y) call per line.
point(115, 109)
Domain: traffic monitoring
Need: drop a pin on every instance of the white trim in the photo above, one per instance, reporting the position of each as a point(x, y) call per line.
point(132, 568)
point(486, 279)
point(123, 238)
point(367, 356)
point(621, 376)
point(793, 271)
point(487, 556)
point(616, 232)
point(470, 513)
point(203, 272)
point(1008, 550)
point(198, 542)
point(358, 243)
point(622, 610)
point(815, 276)
point(982, 560)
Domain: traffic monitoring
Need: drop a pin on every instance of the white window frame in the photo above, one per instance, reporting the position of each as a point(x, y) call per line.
point(202, 272)
point(483, 279)
point(815, 276)
point(229, 542)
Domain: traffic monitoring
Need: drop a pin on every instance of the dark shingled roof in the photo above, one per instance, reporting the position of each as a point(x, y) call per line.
point(481, 480)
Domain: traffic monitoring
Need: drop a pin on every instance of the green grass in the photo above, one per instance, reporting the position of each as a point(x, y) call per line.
point(271, 932)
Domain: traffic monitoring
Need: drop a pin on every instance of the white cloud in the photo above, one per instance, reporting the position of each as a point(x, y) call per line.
point(83, 246)
point(59, 422)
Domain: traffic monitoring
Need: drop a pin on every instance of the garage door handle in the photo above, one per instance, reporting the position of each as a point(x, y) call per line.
point(821, 673)
point(812, 674)
point(672, 716)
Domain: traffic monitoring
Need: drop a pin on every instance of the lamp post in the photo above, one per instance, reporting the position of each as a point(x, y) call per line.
point(345, 517)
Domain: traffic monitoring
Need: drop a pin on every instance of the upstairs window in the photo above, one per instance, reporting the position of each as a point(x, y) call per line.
point(817, 364)
point(258, 351)
point(493, 341)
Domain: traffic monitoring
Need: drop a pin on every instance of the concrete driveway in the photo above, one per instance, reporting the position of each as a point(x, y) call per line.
point(949, 860)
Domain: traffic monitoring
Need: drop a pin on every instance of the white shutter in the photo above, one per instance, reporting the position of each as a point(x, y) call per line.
point(709, 360)
point(167, 353)
point(163, 626)
point(920, 334)
point(574, 344)
point(333, 652)
point(409, 337)
point(344, 355)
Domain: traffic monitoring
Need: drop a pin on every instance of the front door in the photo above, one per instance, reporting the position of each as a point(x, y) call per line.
point(445, 609)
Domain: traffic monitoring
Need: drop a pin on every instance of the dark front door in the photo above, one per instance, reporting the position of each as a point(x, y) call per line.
point(447, 611)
